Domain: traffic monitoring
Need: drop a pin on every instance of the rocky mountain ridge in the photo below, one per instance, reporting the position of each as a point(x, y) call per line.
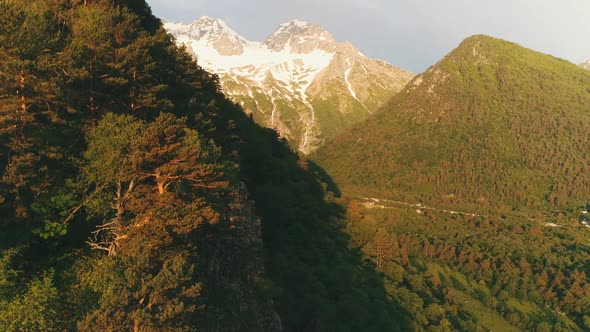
point(299, 80)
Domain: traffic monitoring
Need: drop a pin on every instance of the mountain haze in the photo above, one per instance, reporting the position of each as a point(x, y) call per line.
point(299, 80)
point(585, 65)
point(492, 124)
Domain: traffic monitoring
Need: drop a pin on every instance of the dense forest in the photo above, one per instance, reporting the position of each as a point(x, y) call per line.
point(464, 272)
point(108, 183)
point(492, 127)
point(135, 196)
point(469, 191)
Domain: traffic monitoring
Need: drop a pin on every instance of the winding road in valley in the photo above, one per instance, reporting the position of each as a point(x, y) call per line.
point(379, 203)
point(371, 201)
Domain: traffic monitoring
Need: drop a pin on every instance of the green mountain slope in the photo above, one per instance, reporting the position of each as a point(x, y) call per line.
point(135, 196)
point(492, 125)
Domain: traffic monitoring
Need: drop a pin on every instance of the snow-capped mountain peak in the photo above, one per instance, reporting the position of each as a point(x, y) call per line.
point(299, 70)
point(210, 28)
point(300, 37)
point(298, 23)
point(210, 32)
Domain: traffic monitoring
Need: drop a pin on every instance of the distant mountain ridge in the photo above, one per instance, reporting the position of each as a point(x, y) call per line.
point(492, 125)
point(299, 80)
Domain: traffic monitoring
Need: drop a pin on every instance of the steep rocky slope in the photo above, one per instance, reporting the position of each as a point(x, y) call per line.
point(300, 80)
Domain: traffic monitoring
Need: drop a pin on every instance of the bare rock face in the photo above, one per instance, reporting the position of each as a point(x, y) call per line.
point(301, 37)
point(235, 267)
point(300, 81)
point(216, 34)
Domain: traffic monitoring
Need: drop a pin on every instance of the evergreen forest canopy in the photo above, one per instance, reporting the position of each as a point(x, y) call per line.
point(470, 190)
point(135, 196)
point(491, 127)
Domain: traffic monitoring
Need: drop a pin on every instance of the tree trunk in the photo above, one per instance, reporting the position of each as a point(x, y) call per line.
point(23, 105)
point(161, 188)
point(160, 183)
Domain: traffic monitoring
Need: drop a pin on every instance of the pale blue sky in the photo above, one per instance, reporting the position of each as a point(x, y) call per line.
point(412, 34)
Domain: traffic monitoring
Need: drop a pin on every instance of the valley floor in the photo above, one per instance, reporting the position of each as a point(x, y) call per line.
point(473, 272)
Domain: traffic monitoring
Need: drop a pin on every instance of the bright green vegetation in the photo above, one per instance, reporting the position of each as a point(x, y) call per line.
point(500, 133)
point(491, 127)
point(469, 273)
point(336, 109)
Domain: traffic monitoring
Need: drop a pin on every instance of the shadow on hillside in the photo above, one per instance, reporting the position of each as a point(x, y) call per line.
point(319, 282)
point(324, 177)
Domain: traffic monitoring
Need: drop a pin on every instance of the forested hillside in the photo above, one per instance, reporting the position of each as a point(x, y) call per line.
point(135, 196)
point(469, 191)
point(492, 127)
point(466, 272)
point(112, 190)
